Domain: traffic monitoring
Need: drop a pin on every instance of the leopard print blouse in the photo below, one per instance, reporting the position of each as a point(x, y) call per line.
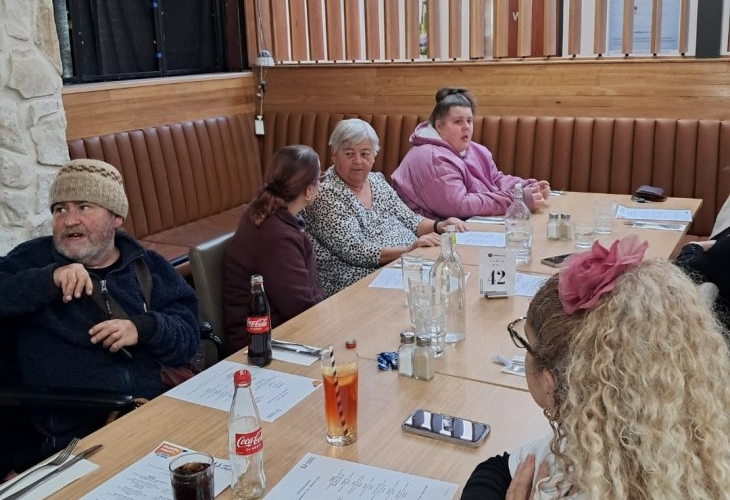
point(347, 237)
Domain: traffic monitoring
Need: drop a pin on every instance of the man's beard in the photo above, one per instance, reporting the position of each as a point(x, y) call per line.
point(94, 249)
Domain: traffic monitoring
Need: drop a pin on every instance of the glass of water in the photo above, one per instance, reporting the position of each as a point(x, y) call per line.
point(518, 237)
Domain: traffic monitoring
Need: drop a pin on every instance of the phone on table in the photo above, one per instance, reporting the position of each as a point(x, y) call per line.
point(447, 428)
point(555, 260)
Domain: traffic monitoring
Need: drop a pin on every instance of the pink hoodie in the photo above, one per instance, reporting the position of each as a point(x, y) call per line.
point(437, 182)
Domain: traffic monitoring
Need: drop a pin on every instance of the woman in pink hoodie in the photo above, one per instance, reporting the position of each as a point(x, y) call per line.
point(445, 173)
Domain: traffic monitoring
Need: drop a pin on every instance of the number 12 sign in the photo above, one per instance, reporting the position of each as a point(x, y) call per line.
point(497, 270)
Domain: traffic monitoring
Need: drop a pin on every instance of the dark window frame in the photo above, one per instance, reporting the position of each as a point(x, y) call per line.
point(225, 50)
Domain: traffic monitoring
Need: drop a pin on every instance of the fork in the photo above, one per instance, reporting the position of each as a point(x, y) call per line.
point(57, 460)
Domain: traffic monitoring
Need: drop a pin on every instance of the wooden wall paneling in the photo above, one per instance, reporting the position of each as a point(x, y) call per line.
point(105, 108)
point(656, 26)
point(556, 87)
point(298, 30)
point(372, 30)
point(600, 24)
point(684, 26)
point(513, 29)
point(280, 30)
point(249, 13)
point(537, 28)
point(258, 25)
point(335, 42)
point(501, 28)
point(433, 29)
point(574, 26)
point(412, 28)
point(392, 31)
point(315, 25)
point(524, 28)
point(627, 34)
point(456, 32)
point(353, 21)
point(477, 29)
point(552, 20)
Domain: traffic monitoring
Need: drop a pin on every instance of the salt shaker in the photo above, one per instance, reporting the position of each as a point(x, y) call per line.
point(423, 358)
point(553, 226)
point(405, 353)
point(566, 227)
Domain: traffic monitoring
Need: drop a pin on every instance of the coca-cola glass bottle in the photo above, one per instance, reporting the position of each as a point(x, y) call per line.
point(258, 324)
point(245, 444)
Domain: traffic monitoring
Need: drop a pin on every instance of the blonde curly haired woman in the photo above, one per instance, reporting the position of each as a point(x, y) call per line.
point(629, 365)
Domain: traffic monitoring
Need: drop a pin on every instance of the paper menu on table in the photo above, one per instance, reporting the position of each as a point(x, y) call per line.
point(682, 215)
point(275, 392)
point(527, 285)
point(149, 477)
point(322, 478)
point(52, 485)
point(481, 238)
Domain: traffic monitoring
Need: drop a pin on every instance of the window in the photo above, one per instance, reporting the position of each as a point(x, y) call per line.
point(124, 39)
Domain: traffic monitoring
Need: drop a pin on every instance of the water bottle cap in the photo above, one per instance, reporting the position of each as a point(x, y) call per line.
point(242, 377)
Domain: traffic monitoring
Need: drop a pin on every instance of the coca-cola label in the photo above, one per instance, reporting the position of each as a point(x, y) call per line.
point(249, 442)
point(257, 324)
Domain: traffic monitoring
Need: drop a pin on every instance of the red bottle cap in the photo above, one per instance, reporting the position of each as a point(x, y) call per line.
point(351, 343)
point(242, 377)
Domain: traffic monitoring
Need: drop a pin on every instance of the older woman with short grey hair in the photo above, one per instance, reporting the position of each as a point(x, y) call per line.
point(357, 222)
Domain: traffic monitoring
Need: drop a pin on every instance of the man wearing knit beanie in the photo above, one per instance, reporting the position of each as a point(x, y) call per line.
point(91, 180)
point(78, 310)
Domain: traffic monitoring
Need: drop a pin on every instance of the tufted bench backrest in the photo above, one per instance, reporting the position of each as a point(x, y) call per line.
point(181, 178)
point(688, 158)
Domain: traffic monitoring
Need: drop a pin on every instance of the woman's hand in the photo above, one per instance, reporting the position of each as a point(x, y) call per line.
point(521, 487)
point(427, 240)
point(540, 194)
point(544, 188)
point(454, 221)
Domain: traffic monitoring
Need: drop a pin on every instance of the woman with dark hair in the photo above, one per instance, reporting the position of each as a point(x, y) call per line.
point(445, 173)
point(271, 241)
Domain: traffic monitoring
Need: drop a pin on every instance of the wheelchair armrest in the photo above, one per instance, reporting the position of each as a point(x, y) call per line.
point(67, 399)
point(207, 333)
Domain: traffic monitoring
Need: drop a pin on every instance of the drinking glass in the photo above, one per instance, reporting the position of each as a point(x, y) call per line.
point(412, 269)
point(605, 213)
point(339, 377)
point(191, 476)
point(584, 233)
point(427, 315)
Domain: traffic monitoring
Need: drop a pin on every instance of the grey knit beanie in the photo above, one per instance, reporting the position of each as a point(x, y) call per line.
point(90, 180)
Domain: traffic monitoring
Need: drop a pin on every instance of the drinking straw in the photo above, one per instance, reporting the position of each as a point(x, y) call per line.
point(338, 400)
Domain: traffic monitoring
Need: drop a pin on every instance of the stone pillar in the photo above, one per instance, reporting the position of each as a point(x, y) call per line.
point(32, 119)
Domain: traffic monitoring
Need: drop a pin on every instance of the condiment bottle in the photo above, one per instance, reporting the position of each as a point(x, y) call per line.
point(566, 227)
point(448, 281)
point(245, 444)
point(405, 353)
point(423, 359)
point(553, 226)
point(518, 227)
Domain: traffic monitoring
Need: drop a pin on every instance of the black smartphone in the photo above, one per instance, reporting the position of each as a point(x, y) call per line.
point(555, 260)
point(447, 428)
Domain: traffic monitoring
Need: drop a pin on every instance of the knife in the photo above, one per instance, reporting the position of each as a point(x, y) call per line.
point(86, 453)
point(294, 347)
point(656, 225)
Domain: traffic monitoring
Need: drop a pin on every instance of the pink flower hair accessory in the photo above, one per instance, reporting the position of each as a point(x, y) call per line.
point(590, 274)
